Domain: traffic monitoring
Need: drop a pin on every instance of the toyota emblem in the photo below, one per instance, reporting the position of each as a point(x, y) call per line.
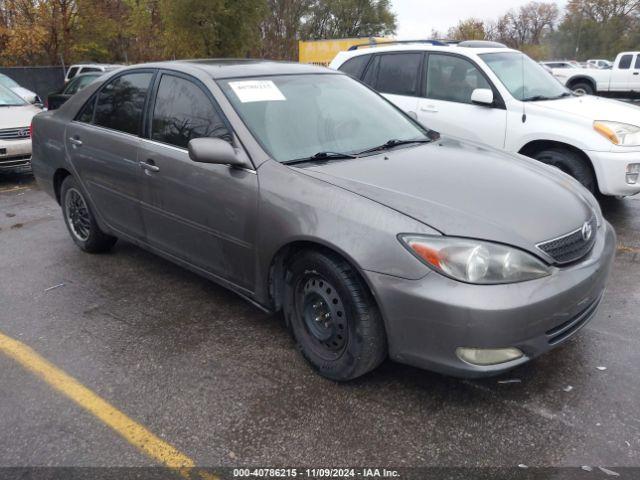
point(24, 133)
point(587, 231)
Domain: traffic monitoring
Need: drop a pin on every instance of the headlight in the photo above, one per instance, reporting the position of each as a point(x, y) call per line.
point(475, 261)
point(617, 133)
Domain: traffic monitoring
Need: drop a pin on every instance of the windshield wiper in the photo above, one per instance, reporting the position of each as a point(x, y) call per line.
point(321, 156)
point(394, 143)
point(536, 98)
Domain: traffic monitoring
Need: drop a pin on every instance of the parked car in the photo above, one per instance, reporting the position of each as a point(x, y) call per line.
point(81, 68)
point(56, 99)
point(500, 97)
point(621, 80)
point(22, 92)
point(601, 63)
point(307, 192)
point(559, 64)
point(15, 132)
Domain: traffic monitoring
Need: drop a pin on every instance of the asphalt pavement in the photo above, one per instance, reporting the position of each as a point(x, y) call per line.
point(218, 379)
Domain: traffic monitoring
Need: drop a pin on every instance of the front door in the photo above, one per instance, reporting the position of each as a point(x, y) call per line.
point(102, 144)
point(622, 73)
point(202, 214)
point(447, 107)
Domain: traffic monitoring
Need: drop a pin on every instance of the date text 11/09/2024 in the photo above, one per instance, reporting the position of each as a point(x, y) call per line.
point(315, 472)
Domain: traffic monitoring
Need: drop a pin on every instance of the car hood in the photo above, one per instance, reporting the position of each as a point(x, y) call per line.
point(593, 108)
point(468, 190)
point(28, 95)
point(16, 117)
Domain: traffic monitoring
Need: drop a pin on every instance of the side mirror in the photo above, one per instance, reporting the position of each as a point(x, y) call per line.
point(482, 96)
point(213, 150)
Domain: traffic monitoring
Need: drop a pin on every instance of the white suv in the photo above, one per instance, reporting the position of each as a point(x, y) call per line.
point(485, 92)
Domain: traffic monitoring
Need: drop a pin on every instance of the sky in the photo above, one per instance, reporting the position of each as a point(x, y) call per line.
point(416, 18)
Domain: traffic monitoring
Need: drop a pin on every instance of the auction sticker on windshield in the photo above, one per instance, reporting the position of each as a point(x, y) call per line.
point(257, 91)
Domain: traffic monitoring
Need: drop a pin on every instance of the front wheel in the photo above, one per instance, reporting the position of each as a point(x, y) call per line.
point(80, 220)
point(570, 163)
point(333, 316)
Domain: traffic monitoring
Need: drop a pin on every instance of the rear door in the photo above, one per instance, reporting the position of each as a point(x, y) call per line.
point(102, 144)
point(202, 214)
point(397, 76)
point(447, 107)
point(622, 73)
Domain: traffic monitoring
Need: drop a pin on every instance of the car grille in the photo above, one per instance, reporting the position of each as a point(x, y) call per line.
point(572, 246)
point(14, 162)
point(14, 133)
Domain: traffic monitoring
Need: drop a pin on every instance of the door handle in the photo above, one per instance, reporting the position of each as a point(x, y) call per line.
point(75, 141)
point(149, 166)
point(429, 108)
point(635, 73)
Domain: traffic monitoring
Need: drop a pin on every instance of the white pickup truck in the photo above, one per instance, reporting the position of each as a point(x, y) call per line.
point(622, 79)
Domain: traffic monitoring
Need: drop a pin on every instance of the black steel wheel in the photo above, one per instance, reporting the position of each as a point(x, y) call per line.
point(80, 220)
point(334, 319)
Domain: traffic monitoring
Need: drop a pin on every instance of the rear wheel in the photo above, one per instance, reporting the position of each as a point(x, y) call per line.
point(334, 319)
point(570, 163)
point(80, 221)
point(582, 88)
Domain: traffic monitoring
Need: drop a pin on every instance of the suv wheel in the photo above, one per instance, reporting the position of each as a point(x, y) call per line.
point(570, 163)
point(334, 319)
point(80, 221)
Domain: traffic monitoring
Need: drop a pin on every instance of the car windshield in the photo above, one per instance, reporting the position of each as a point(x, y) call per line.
point(524, 78)
point(8, 82)
point(299, 116)
point(10, 99)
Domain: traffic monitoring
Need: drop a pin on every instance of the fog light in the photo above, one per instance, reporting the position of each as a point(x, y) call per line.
point(633, 170)
point(488, 356)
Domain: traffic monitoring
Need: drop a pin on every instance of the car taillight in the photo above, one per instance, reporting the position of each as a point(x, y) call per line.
point(31, 130)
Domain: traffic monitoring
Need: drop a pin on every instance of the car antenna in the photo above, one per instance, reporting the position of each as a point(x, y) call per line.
point(524, 104)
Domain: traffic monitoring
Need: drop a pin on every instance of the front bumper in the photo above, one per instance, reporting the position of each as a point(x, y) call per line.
point(611, 168)
point(15, 154)
point(427, 319)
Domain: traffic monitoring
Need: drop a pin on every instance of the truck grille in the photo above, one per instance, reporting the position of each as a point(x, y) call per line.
point(572, 246)
point(14, 133)
point(7, 163)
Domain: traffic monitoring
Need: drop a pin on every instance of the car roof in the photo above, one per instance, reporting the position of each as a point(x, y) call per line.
point(219, 68)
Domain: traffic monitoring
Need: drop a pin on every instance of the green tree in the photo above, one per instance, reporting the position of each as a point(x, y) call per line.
point(469, 29)
point(349, 18)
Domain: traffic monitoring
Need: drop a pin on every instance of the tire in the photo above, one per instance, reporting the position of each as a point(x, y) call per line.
point(80, 220)
point(570, 163)
point(583, 88)
point(333, 317)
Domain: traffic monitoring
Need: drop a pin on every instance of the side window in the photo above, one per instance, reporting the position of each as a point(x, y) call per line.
point(72, 72)
point(453, 78)
point(371, 74)
point(121, 102)
point(90, 69)
point(355, 66)
point(625, 62)
point(637, 65)
point(183, 111)
point(86, 114)
point(398, 73)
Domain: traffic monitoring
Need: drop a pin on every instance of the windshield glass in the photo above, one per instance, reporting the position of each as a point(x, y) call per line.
point(298, 116)
point(524, 78)
point(7, 81)
point(10, 99)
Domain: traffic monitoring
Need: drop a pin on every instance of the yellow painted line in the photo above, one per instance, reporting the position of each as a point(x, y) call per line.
point(14, 189)
point(625, 249)
point(131, 431)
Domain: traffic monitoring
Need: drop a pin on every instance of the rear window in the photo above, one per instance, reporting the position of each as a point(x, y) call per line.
point(625, 62)
point(72, 72)
point(355, 66)
point(395, 73)
point(121, 102)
